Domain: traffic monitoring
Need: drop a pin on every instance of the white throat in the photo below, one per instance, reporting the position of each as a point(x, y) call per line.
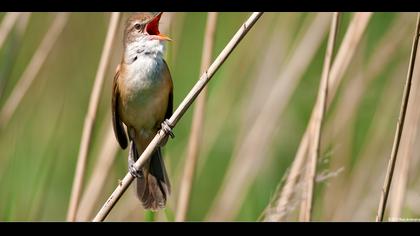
point(144, 62)
point(144, 47)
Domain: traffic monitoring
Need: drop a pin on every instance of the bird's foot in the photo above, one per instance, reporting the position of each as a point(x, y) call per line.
point(132, 157)
point(135, 173)
point(166, 127)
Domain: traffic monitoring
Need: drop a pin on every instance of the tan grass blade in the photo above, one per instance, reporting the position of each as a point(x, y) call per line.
point(344, 55)
point(346, 109)
point(33, 68)
point(250, 154)
point(96, 182)
point(6, 26)
point(365, 198)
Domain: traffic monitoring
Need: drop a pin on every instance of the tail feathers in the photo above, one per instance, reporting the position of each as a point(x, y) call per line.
point(154, 187)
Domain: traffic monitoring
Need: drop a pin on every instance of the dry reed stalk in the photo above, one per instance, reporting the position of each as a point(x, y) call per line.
point(197, 123)
point(90, 118)
point(400, 125)
point(361, 200)
point(250, 153)
point(344, 55)
point(347, 106)
point(21, 25)
point(263, 78)
point(415, 160)
point(281, 208)
point(275, 50)
point(346, 52)
point(319, 108)
point(96, 182)
point(381, 56)
point(345, 115)
point(128, 209)
point(33, 68)
point(376, 148)
point(215, 127)
point(406, 153)
point(412, 201)
point(339, 142)
point(179, 112)
point(6, 26)
point(177, 26)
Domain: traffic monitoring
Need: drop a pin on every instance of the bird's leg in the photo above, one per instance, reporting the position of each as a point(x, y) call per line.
point(166, 127)
point(132, 157)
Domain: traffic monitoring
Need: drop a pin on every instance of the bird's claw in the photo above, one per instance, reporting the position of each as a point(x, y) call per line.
point(166, 127)
point(135, 173)
point(132, 157)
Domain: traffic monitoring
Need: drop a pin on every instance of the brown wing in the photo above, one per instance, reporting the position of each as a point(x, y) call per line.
point(116, 122)
point(169, 109)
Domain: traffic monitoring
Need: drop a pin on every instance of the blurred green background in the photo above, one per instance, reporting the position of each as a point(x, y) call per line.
point(40, 143)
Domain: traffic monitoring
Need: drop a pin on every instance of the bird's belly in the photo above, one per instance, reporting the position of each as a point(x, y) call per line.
point(144, 101)
point(144, 109)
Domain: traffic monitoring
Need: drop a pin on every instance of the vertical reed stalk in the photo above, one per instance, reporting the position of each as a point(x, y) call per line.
point(101, 170)
point(90, 118)
point(348, 104)
point(196, 134)
point(320, 107)
point(406, 155)
point(341, 62)
point(400, 125)
point(251, 152)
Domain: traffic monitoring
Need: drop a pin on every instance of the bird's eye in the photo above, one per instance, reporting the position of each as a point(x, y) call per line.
point(137, 26)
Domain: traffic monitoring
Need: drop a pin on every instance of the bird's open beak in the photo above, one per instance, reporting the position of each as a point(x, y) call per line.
point(152, 28)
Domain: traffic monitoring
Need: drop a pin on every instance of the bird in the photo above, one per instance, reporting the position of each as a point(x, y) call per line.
point(142, 100)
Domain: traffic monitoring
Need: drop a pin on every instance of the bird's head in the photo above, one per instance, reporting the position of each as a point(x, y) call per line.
point(144, 26)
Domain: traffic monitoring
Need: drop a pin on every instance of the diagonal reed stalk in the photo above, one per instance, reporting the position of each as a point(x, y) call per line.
point(21, 26)
point(33, 68)
point(7, 24)
point(23, 22)
point(320, 107)
point(179, 112)
point(196, 134)
point(400, 125)
point(342, 60)
point(90, 117)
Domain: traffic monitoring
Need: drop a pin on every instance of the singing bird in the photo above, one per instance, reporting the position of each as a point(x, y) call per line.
point(142, 99)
